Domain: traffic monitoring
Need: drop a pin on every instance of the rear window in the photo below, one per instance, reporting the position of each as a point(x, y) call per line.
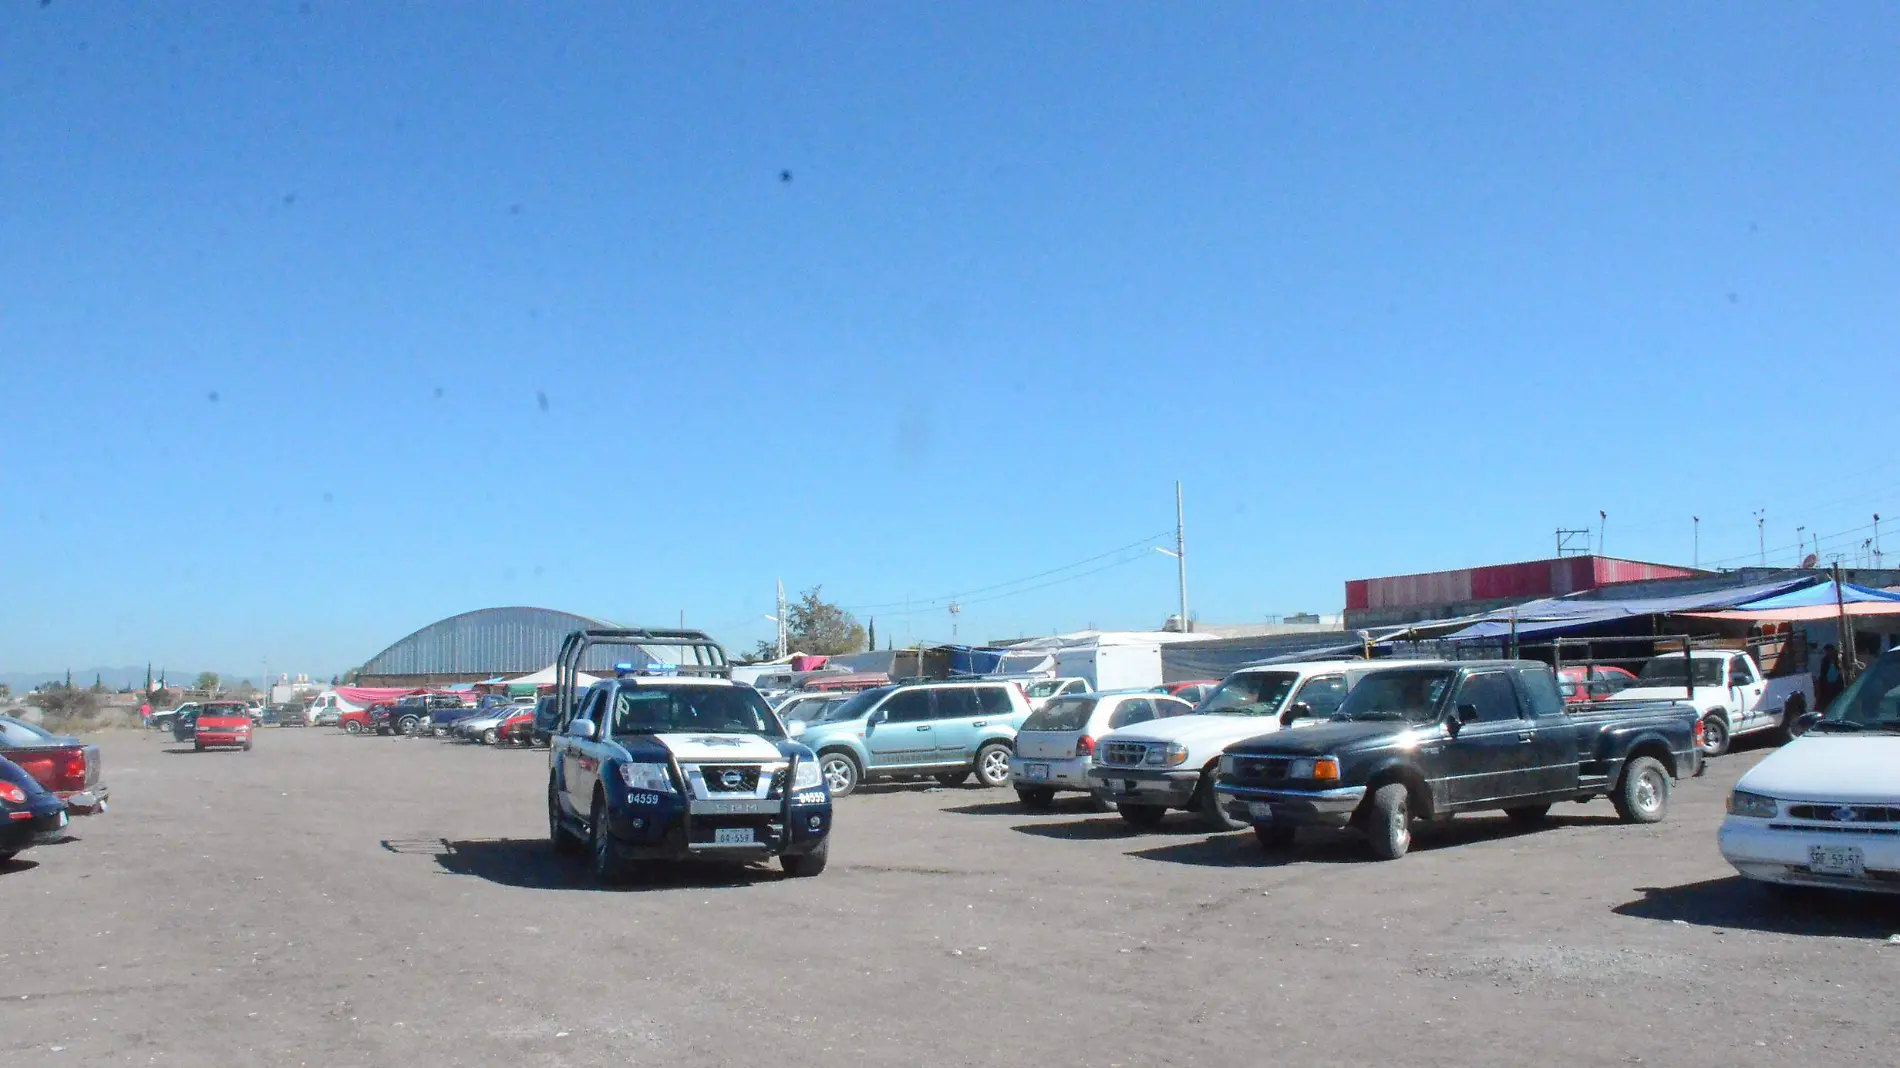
point(1061, 714)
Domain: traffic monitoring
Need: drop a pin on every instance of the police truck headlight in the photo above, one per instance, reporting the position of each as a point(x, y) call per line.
point(808, 776)
point(647, 777)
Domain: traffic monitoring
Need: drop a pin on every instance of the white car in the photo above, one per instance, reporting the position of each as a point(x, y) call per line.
point(484, 727)
point(1055, 744)
point(1824, 810)
point(1043, 691)
point(806, 707)
point(1731, 691)
point(1170, 763)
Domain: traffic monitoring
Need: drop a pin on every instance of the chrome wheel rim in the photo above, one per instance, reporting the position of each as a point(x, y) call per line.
point(1648, 792)
point(1402, 823)
point(996, 766)
point(839, 775)
point(1713, 734)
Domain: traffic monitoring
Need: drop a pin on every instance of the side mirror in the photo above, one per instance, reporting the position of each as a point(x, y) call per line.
point(1467, 713)
point(582, 729)
point(1296, 710)
point(795, 728)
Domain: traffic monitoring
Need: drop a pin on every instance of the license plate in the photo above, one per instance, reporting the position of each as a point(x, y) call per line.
point(1836, 860)
point(732, 836)
point(1035, 771)
point(62, 818)
point(1260, 810)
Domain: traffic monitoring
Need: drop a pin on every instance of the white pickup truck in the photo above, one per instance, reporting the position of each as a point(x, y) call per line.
point(1162, 764)
point(1730, 691)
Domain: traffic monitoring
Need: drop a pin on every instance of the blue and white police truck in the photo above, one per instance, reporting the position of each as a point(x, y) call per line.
point(672, 760)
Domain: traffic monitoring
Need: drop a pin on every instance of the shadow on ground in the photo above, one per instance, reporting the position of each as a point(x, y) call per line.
point(1108, 825)
point(1242, 850)
point(1737, 904)
point(530, 863)
point(17, 866)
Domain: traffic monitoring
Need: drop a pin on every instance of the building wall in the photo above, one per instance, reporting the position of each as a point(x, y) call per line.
point(1403, 599)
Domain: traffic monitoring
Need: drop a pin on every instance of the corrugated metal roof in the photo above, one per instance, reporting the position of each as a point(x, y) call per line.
point(496, 641)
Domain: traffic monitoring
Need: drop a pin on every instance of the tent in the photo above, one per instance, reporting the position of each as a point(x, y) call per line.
point(545, 677)
point(1553, 616)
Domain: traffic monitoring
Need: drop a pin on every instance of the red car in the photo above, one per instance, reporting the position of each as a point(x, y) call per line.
point(1596, 682)
point(517, 729)
point(1193, 690)
point(223, 724)
point(354, 721)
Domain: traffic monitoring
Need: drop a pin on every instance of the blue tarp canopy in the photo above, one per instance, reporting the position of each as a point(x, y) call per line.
point(966, 660)
point(1556, 615)
point(1820, 594)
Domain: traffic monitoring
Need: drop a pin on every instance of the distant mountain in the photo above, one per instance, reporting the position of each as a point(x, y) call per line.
point(114, 678)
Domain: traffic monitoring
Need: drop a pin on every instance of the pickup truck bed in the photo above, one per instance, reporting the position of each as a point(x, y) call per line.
point(68, 768)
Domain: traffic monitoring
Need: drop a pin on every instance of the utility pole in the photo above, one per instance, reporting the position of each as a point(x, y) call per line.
point(1697, 520)
point(1603, 525)
point(1761, 534)
point(1801, 544)
point(1180, 555)
point(780, 616)
point(1877, 562)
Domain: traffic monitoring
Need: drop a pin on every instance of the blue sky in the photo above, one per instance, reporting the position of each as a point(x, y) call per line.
point(285, 286)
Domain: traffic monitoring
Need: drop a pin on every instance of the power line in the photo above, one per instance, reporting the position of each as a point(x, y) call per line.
point(1136, 558)
point(1776, 552)
point(916, 604)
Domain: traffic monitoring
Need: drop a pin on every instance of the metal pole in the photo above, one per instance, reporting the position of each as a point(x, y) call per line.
point(1846, 631)
point(1180, 554)
point(781, 619)
point(1697, 520)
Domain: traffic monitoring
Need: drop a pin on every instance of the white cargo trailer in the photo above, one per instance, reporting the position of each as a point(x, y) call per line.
point(1136, 666)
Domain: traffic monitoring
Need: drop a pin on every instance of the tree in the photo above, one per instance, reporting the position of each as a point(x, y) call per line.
point(98, 683)
point(244, 688)
point(5, 691)
point(66, 705)
point(207, 682)
point(870, 641)
point(767, 649)
point(163, 698)
point(814, 625)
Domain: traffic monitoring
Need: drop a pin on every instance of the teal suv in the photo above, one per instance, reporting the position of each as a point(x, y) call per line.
point(945, 729)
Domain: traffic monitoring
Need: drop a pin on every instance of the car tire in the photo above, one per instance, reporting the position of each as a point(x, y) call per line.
point(806, 865)
point(198, 747)
point(953, 778)
point(1142, 817)
point(1100, 803)
point(607, 869)
point(1038, 798)
point(7, 855)
point(407, 725)
point(1389, 821)
point(560, 839)
point(1715, 734)
point(352, 727)
point(992, 765)
point(1275, 838)
point(1208, 807)
point(1642, 795)
point(841, 772)
point(1791, 714)
point(1527, 815)
point(489, 737)
point(247, 747)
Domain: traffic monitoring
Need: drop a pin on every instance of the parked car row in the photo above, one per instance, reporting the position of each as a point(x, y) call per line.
point(45, 780)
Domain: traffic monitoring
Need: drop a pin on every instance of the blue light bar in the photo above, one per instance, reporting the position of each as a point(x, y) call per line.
point(623, 670)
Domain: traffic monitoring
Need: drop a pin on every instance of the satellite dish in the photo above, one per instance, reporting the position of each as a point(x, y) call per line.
point(1811, 560)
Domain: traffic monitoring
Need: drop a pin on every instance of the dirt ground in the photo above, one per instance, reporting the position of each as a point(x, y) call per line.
point(333, 900)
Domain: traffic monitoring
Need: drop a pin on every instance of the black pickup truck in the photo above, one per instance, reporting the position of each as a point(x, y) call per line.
point(1428, 741)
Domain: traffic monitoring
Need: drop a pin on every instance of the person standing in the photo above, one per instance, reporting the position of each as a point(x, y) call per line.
point(1828, 684)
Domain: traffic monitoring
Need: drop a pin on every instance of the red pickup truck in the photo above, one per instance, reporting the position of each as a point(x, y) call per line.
point(67, 767)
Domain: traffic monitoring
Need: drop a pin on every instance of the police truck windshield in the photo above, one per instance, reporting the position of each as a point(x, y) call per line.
point(675, 709)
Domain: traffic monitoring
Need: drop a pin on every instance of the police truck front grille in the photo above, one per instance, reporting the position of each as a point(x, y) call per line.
point(730, 778)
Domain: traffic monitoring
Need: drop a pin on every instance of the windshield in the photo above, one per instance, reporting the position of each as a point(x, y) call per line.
point(1415, 696)
point(1668, 671)
point(1043, 688)
point(811, 710)
point(1871, 703)
point(223, 711)
point(1061, 714)
point(665, 709)
point(856, 708)
point(1252, 694)
point(15, 732)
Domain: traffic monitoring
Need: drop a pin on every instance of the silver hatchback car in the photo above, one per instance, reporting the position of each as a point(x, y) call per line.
point(1055, 744)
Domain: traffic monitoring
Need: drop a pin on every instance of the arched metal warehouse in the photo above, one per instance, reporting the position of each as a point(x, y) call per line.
point(483, 644)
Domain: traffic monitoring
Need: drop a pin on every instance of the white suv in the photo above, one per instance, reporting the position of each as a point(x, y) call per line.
point(1147, 769)
point(1055, 744)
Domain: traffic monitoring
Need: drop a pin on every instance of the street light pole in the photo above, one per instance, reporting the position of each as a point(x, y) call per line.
point(1179, 552)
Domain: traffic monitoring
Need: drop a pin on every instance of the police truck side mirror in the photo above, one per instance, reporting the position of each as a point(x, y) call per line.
point(582, 729)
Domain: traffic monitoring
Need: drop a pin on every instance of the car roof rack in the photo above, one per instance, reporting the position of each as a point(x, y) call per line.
point(698, 655)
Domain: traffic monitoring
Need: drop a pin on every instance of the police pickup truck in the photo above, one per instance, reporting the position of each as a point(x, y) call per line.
point(1427, 741)
point(678, 762)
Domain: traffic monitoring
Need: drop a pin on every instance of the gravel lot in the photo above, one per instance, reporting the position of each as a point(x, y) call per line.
point(329, 900)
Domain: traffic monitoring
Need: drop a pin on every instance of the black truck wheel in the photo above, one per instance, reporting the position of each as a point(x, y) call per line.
point(1144, 817)
point(806, 865)
point(1643, 794)
point(1389, 821)
point(606, 868)
point(408, 725)
point(559, 837)
point(1036, 797)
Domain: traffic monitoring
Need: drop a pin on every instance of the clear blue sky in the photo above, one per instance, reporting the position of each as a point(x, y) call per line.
point(1388, 289)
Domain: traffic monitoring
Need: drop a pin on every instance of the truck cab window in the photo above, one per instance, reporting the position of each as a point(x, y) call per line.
point(1494, 696)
